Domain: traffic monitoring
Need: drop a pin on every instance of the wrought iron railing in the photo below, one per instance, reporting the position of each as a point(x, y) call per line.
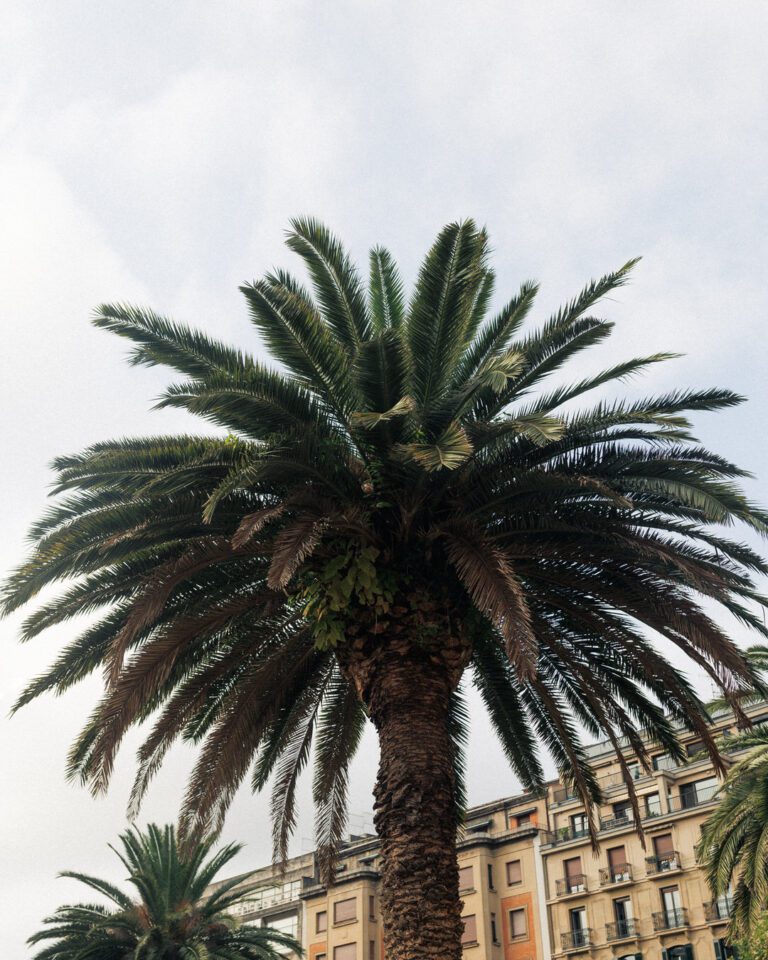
point(663, 863)
point(575, 884)
point(620, 930)
point(618, 873)
point(576, 939)
point(719, 909)
point(670, 919)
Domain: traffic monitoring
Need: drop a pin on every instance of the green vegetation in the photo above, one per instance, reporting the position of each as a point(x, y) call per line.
point(168, 917)
point(402, 498)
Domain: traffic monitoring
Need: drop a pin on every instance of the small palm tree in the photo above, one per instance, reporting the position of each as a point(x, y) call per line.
point(734, 840)
point(403, 500)
point(171, 919)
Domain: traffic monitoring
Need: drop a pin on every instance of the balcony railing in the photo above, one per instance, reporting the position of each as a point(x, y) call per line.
point(575, 884)
point(670, 919)
point(577, 939)
point(720, 909)
point(663, 864)
point(652, 809)
point(620, 930)
point(619, 822)
point(564, 835)
point(619, 873)
point(692, 799)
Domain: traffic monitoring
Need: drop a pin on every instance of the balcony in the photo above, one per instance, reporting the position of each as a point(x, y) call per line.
point(696, 798)
point(621, 930)
point(619, 873)
point(670, 919)
point(717, 910)
point(668, 863)
point(563, 795)
point(569, 885)
point(564, 835)
point(577, 940)
point(616, 823)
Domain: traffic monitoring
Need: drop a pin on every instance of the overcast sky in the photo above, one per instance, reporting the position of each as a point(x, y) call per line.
point(154, 152)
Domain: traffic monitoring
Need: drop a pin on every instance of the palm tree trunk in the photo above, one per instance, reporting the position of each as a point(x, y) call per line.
point(407, 689)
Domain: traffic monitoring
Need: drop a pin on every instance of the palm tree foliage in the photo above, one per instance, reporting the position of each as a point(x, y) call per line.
point(169, 917)
point(734, 840)
point(403, 446)
point(757, 656)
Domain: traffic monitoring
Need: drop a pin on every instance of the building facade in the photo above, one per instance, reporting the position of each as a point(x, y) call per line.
point(533, 885)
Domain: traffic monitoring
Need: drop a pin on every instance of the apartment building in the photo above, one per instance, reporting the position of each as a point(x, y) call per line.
point(276, 898)
point(533, 885)
point(637, 896)
point(501, 879)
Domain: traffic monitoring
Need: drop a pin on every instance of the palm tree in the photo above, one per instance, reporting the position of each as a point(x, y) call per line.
point(173, 917)
point(733, 844)
point(401, 501)
point(757, 656)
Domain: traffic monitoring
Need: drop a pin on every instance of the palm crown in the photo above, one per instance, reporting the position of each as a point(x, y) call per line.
point(404, 462)
point(733, 844)
point(172, 916)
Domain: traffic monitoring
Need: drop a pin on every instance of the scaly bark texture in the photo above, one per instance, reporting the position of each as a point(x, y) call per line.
point(406, 681)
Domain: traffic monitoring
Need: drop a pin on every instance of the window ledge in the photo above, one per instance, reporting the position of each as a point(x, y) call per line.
point(344, 923)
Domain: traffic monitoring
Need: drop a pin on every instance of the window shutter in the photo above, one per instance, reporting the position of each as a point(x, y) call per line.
point(344, 910)
point(688, 951)
point(346, 952)
point(665, 955)
point(514, 872)
point(470, 929)
point(662, 845)
point(466, 878)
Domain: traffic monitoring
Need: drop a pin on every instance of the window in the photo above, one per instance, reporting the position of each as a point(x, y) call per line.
point(466, 879)
point(470, 929)
point(371, 950)
point(522, 820)
point(617, 865)
point(371, 908)
point(514, 872)
point(622, 914)
point(494, 933)
point(347, 951)
point(578, 920)
point(579, 824)
point(694, 748)
point(683, 952)
point(664, 852)
point(288, 923)
point(692, 794)
point(622, 810)
point(635, 771)
point(670, 901)
point(574, 878)
point(663, 761)
point(490, 877)
point(345, 910)
point(324, 956)
point(652, 805)
point(321, 921)
point(724, 950)
point(518, 924)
